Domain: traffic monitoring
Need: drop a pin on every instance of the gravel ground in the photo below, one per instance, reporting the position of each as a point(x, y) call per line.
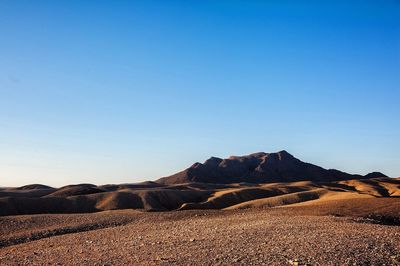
point(240, 237)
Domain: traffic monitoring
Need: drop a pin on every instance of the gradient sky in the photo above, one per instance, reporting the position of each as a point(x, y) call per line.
point(126, 91)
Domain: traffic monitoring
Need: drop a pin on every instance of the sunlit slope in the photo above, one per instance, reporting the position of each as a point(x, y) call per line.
point(155, 197)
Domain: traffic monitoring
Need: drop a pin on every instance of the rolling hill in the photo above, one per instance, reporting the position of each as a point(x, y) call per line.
point(259, 180)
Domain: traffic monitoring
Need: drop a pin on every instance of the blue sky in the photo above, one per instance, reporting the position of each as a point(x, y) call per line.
point(125, 91)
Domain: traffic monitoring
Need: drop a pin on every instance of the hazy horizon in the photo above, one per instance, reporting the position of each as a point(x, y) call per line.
point(123, 92)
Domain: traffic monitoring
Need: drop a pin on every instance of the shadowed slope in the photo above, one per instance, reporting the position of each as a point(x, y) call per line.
point(73, 190)
point(198, 196)
point(34, 186)
point(258, 168)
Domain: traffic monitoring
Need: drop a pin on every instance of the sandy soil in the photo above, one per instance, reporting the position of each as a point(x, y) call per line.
point(273, 236)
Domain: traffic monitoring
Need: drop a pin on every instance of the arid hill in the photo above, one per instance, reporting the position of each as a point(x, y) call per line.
point(257, 180)
point(89, 198)
point(258, 167)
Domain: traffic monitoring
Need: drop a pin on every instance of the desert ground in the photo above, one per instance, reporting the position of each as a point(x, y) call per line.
point(300, 235)
point(352, 222)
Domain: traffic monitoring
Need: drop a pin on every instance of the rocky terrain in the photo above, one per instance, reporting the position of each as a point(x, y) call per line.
point(274, 236)
point(260, 209)
point(258, 168)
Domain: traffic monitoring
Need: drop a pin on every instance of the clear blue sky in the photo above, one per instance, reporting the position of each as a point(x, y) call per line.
point(125, 91)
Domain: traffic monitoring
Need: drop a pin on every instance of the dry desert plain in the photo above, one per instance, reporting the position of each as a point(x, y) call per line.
point(353, 222)
point(258, 209)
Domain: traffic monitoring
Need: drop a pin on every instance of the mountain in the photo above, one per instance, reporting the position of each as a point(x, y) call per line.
point(259, 167)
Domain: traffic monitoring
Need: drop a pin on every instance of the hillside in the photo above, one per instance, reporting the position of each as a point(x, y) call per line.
point(90, 198)
point(253, 181)
point(259, 168)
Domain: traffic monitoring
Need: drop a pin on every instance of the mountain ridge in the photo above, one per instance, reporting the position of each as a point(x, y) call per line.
point(259, 167)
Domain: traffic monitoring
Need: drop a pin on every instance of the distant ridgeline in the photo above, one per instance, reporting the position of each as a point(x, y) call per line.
point(259, 168)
